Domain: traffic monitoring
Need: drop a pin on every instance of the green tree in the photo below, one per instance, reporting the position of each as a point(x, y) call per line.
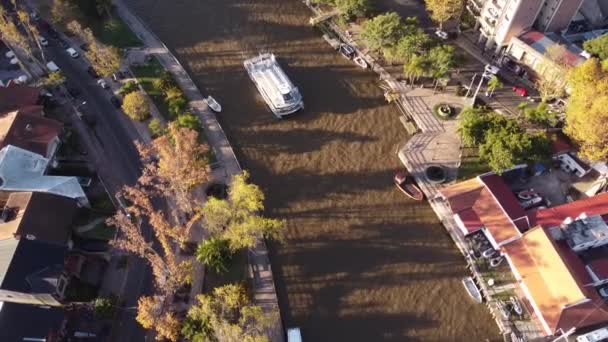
point(215, 254)
point(351, 9)
point(504, 148)
point(104, 307)
point(493, 83)
point(541, 115)
point(473, 124)
point(237, 218)
point(597, 46)
point(53, 79)
point(443, 10)
point(382, 31)
point(165, 82)
point(128, 87)
point(189, 121)
point(413, 43)
point(586, 114)
point(415, 67)
point(440, 60)
point(156, 128)
point(135, 105)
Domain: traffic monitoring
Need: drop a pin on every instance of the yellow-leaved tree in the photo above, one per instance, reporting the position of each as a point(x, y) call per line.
point(135, 105)
point(586, 114)
point(443, 10)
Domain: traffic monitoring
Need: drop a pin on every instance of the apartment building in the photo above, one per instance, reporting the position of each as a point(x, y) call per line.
point(501, 20)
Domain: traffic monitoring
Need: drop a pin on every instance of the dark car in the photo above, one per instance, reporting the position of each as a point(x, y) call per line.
point(116, 101)
point(53, 33)
point(73, 91)
point(92, 72)
point(63, 43)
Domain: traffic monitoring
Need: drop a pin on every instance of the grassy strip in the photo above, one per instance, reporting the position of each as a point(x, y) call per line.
point(115, 32)
point(146, 75)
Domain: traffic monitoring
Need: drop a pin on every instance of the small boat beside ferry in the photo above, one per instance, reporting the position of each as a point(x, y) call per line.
point(361, 62)
point(281, 96)
point(472, 289)
point(213, 104)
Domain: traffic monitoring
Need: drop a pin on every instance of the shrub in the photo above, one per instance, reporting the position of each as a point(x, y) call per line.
point(156, 128)
point(189, 121)
point(215, 254)
point(128, 88)
point(135, 105)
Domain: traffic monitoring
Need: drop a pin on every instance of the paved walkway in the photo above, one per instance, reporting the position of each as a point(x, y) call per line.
point(260, 267)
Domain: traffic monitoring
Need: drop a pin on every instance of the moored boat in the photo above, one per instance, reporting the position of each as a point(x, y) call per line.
point(516, 306)
point(472, 289)
point(280, 94)
point(406, 184)
point(361, 62)
point(347, 50)
point(213, 104)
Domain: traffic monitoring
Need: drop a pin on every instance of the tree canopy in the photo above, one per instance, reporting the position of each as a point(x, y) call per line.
point(586, 114)
point(352, 8)
point(382, 31)
point(502, 142)
point(215, 254)
point(228, 316)
point(237, 218)
point(540, 115)
point(443, 10)
point(598, 46)
point(135, 105)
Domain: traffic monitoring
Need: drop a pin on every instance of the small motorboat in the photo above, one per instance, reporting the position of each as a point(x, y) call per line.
point(347, 50)
point(406, 184)
point(472, 289)
point(516, 306)
point(361, 62)
point(213, 104)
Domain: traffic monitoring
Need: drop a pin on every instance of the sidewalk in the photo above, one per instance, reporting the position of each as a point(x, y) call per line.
point(260, 267)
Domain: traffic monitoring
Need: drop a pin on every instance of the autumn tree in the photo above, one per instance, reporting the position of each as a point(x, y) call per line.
point(586, 114)
point(152, 315)
point(382, 31)
point(104, 59)
point(135, 105)
point(228, 316)
point(31, 31)
point(11, 34)
point(63, 11)
point(53, 79)
point(551, 82)
point(443, 10)
point(183, 163)
point(237, 218)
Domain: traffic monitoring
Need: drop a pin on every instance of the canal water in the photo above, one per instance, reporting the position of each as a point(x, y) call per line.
point(360, 262)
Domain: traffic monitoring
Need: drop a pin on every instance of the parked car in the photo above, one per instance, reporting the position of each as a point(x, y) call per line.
point(116, 101)
point(43, 41)
point(63, 43)
point(102, 83)
point(529, 203)
point(92, 72)
point(9, 54)
point(73, 91)
point(72, 52)
point(521, 91)
point(52, 67)
point(490, 71)
point(441, 34)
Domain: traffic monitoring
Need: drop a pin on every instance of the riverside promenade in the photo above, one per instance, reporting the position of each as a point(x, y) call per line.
point(260, 270)
point(437, 142)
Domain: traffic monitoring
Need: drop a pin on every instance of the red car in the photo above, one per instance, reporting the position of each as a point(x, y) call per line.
point(521, 91)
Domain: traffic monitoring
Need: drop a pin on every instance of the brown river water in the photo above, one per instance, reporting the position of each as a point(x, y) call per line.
point(360, 262)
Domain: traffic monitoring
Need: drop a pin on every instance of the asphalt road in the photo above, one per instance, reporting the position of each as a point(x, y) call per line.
point(110, 142)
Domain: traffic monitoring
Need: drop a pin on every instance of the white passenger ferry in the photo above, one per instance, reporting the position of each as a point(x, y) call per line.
point(280, 94)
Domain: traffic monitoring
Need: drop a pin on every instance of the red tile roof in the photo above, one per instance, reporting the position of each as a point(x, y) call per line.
point(16, 96)
point(551, 217)
point(504, 196)
point(470, 221)
point(27, 129)
point(556, 280)
point(475, 196)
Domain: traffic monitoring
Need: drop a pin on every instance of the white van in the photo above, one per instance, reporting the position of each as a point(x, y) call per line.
point(52, 66)
point(293, 335)
point(594, 336)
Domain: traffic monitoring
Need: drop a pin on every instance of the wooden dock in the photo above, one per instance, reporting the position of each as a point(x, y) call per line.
point(321, 17)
